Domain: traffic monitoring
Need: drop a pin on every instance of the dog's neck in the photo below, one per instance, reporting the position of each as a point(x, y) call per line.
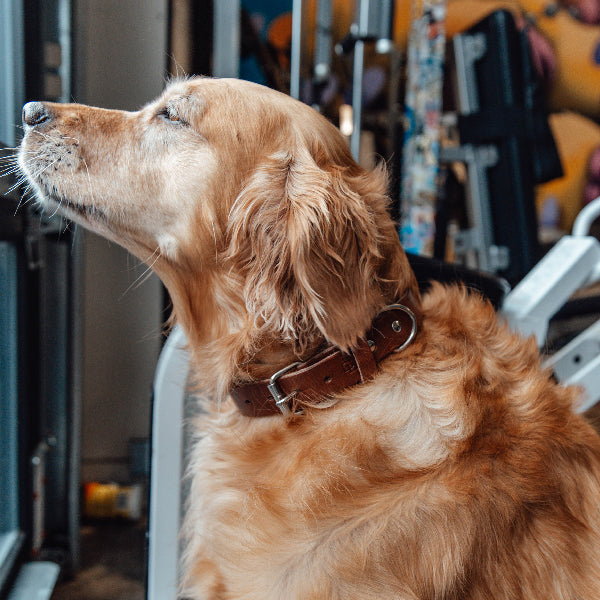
point(318, 381)
point(228, 347)
point(273, 355)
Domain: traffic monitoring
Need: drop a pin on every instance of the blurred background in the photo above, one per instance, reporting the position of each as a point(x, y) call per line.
point(485, 112)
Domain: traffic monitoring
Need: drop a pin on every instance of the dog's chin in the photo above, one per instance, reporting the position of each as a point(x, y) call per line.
point(96, 220)
point(51, 201)
point(88, 216)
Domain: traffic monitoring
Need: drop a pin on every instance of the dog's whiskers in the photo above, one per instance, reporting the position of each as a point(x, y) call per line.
point(89, 179)
point(23, 200)
point(9, 164)
point(44, 135)
point(34, 175)
point(146, 274)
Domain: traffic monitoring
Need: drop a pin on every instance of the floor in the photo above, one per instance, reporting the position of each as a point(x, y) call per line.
point(113, 563)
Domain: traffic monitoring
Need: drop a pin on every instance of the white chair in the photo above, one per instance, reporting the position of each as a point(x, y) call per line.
point(166, 469)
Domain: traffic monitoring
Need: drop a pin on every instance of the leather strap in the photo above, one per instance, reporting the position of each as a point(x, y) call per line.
point(331, 370)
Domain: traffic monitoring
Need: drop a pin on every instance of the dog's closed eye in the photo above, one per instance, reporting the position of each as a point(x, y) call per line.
point(170, 113)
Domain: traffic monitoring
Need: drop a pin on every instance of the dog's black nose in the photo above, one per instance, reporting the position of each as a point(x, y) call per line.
point(35, 113)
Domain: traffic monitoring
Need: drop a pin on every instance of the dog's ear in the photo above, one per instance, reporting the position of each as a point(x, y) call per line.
point(317, 249)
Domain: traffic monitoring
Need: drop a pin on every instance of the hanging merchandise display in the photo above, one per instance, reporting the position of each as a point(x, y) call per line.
point(423, 106)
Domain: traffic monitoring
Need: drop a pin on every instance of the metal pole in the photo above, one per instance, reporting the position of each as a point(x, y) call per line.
point(12, 67)
point(227, 36)
point(297, 15)
point(357, 87)
point(323, 42)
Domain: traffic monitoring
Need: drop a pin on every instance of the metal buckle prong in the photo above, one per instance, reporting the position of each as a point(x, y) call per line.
point(275, 391)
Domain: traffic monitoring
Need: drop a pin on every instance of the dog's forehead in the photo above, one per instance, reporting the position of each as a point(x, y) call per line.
point(206, 90)
point(179, 87)
point(180, 90)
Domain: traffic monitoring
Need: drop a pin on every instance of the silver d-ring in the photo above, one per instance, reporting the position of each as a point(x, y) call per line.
point(413, 331)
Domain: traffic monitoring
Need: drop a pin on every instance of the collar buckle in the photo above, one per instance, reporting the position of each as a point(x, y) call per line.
point(281, 399)
point(330, 371)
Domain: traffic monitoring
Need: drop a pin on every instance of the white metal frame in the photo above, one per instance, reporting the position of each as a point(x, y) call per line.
point(530, 306)
point(578, 363)
point(167, 468)
point(572, 263)
point(227, 38)
point(35, 581)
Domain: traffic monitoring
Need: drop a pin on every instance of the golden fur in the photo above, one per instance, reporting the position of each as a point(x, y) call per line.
point(459, 472)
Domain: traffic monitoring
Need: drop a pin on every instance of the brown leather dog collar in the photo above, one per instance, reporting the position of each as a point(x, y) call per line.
point(331, 370)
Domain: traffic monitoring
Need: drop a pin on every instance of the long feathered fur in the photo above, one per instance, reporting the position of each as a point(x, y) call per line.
point(459, 472)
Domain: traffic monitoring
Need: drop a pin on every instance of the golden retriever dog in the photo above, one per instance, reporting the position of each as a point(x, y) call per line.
point(406, 447)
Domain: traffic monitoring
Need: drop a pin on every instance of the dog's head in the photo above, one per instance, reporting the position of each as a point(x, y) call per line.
point(246, 202)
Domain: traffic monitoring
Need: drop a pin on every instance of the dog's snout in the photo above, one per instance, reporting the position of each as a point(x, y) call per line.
point(35, 113)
